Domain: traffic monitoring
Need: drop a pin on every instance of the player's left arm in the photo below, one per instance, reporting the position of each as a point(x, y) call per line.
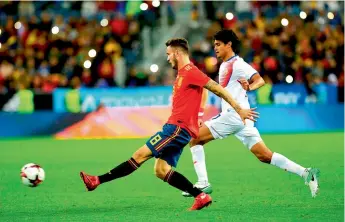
point(221, 92)
point(198, 78)
point(255, 82)
point(251, 79)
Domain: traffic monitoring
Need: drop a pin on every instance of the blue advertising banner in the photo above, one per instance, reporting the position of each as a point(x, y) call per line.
point(303, 118)
point(292, 95)
point(273, 119)
point(289, 94)
point(90, 99)
point(41, 123)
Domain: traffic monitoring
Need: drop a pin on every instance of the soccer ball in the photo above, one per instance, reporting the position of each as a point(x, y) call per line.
point(32, 174)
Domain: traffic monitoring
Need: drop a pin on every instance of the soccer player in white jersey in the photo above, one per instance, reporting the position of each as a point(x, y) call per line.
point(238, 77)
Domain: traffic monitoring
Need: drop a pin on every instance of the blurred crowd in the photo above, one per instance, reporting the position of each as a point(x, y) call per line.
point(300, 42)
point(44, 45)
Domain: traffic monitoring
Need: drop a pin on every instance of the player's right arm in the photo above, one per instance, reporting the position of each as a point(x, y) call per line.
point(204, 99)
point(202, 106)
point(221, 92)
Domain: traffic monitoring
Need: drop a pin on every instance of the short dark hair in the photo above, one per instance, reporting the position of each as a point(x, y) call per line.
point(178, 42)
point(227, 35)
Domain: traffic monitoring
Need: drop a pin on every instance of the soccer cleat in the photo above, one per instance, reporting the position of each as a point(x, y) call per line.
point(201, 201)
point(91, 182)
point(204, 187)
point(311, 180)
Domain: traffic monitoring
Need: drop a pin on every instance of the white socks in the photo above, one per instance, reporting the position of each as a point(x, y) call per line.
point(278, 160)
point(198, 155)
point(287, 165)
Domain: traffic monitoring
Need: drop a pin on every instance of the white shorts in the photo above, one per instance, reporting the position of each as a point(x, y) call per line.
point(227, 123)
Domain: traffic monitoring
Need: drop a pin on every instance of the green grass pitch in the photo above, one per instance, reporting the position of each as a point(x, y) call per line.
point(244, 188)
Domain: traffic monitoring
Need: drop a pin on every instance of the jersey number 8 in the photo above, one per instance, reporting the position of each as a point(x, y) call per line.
point(155, 139)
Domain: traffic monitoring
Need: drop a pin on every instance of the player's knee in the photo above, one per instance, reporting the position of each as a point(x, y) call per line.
point(195, 142)
point(140, 157)
point(160, 172)
point(264, 157)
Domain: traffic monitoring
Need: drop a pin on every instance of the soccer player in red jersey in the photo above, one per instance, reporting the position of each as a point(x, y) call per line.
point(167, 145)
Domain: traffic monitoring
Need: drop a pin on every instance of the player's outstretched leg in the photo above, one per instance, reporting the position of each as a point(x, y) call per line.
point(164, 171)
point(310, 175)
point(199, 162)
point(198, 156)
point(124, 169)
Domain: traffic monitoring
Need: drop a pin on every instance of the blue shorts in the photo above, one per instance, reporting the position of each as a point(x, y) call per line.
point(169, 143)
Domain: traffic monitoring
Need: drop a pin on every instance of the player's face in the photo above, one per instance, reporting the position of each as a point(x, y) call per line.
point(221, 49)
point(171, 53)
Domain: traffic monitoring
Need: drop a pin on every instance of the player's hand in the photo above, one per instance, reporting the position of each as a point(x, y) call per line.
point(200, 122)
point(250, 114)
point(244, 83)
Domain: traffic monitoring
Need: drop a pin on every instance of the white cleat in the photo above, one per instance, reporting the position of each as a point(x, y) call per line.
point(311, 180)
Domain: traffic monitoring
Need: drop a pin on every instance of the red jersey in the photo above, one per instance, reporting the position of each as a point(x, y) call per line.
point(187, 93)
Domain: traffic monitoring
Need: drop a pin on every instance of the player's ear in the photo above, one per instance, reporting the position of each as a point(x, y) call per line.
point(177, 53)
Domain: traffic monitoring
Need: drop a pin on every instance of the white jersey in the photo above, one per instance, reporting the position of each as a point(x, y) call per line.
point(228, 122)
point(229, 72)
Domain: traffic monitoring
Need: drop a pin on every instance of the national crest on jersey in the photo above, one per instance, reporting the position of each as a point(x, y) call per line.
point(177, 84)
